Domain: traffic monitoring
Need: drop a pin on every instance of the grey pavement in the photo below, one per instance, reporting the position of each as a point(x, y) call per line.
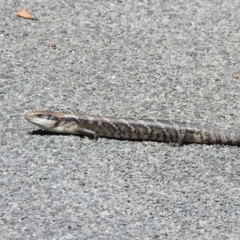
point(146, 59)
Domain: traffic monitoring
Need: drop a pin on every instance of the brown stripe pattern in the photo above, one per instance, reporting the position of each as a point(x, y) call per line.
point(132, 129)
point(157, 130)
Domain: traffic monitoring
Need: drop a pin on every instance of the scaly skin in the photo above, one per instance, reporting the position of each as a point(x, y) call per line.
point(132, 129)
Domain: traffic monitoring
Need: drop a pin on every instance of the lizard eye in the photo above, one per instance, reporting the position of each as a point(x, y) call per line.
point(48, 117)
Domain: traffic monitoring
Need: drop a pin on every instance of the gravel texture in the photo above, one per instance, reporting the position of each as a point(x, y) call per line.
point(155, 59)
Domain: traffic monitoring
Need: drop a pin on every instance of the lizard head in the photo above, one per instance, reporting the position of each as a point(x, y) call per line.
point(46, 120)
point(53, 121)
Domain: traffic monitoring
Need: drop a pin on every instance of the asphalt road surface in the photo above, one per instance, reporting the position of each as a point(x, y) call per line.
point(174, 60)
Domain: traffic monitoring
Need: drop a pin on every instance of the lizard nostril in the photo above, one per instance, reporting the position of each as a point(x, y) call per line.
point(27, 115)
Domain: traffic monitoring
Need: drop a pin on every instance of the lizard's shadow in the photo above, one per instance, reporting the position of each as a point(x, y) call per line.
point(41, 132)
